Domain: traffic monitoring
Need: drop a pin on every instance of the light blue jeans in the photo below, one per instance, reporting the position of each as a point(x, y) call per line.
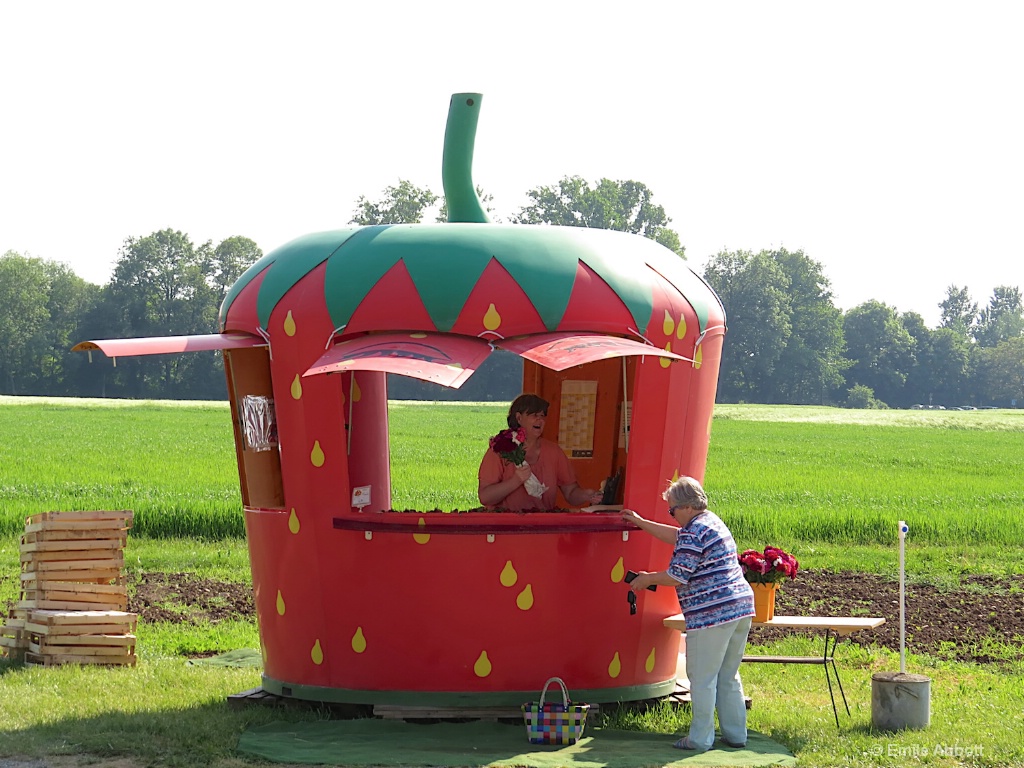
point(713, 658)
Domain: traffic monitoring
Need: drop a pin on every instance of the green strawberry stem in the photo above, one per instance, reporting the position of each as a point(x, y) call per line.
point(457, 162)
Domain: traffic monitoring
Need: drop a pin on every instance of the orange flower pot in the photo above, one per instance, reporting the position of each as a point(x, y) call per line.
point(764, 601)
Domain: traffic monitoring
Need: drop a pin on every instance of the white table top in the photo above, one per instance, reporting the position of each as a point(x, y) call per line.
point(841, 625)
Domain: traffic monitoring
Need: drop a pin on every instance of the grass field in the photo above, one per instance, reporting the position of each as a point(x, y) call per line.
point(827, 484)
point(784, 473)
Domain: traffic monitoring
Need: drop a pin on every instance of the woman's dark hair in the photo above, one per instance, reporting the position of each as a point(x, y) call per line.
point(526, 404)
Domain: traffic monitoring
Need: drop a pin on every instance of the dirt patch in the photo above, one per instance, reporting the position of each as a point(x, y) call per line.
point(184, 597)
point(974, 622)
point(962, 623)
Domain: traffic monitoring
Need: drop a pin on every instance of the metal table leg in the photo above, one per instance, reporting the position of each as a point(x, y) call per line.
point(829, 657)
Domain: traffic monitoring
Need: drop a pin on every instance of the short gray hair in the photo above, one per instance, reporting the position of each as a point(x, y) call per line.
point(686, 492)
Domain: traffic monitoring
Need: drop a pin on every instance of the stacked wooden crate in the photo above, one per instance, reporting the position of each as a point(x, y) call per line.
point(80, 637)
point(73, 590)
point(13, 640)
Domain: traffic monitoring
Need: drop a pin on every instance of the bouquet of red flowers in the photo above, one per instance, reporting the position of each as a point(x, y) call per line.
point(510, 444)
point(768, 567)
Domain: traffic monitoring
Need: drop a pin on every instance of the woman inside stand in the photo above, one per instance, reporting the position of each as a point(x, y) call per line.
point(535, 483)
point(718, 605)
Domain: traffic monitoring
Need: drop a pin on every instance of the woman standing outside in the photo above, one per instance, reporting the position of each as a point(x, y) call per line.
point(718, 605)
point(502, 484)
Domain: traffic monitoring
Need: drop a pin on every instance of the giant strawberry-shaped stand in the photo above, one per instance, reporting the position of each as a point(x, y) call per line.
point(358, 603)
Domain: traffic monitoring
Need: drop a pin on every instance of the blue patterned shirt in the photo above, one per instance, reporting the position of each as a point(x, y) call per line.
point(711, 590)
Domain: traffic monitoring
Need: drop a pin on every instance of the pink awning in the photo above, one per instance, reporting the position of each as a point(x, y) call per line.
point(162, 345)
point(559, 351)
point(438, 358)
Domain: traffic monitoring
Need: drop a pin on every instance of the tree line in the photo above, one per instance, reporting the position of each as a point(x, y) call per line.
point(787, 342)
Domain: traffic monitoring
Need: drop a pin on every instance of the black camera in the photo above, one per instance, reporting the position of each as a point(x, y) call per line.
point(630, 575)
point(631, 595)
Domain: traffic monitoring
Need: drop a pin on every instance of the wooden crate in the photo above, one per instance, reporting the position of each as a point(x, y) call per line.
point(13, 638)
point(88, 588)
point(82, 645)
point(59, 622)
point(47, 660)
point(81, 550)
point(80, 573)
point(80, 637)
point(105, 528)
point(114, 561)
point(73, 596)
point(73, 590)
point(14, 633)
point(125, 516)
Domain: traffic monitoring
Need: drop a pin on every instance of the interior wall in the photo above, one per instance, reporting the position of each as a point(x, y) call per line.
point(586, 413)
point(259, 470)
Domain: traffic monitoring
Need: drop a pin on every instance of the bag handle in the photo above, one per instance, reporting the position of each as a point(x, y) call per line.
point(565, 691)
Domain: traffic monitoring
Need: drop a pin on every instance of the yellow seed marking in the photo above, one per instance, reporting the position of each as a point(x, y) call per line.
point(666, 362)
point(289, 324)
point(698, 357)
point(668, 324)
point(492, 320)
point(293, 522)
point(508, 575)
point(525, 598)
point(317, 654)
point(681, 328)
point(482, 667)
point(421, 538)
point(280, 603)
point(417, 335)
point(618, 571)
point(615, 667)
point(317, 455)
point(296, 388)
point(649, 664)
point(358, 641)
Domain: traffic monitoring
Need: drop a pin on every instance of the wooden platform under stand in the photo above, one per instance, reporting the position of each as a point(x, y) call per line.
point(404, 712)
point(257, 697)
point(680, 697)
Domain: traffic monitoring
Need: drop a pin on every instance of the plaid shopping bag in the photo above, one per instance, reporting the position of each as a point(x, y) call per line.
point(552, 723)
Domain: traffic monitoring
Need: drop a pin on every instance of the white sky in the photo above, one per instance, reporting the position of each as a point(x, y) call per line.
point(885, 139)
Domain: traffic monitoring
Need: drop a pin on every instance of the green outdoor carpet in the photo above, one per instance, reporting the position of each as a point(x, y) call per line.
point(242, 657)
point(370, 742)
